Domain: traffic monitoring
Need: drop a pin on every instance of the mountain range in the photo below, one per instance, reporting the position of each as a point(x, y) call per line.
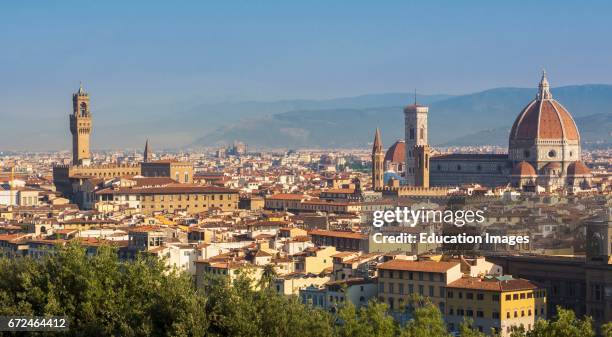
point(482, 118)
point(472, 119)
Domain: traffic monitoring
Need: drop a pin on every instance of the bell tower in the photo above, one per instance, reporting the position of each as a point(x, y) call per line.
point(415, 118)
point(80, 127)
point(378, 162)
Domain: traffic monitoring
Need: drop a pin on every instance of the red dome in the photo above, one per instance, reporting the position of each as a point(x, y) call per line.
point(544, 118)
point(524, 169)
point(578, 168)
point(397, 152)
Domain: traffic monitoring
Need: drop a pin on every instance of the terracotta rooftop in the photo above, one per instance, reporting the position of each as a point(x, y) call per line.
point(419, 266)
point(338, 234)
point(493, 284)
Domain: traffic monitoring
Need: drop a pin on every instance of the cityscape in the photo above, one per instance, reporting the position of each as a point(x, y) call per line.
point(414, 237)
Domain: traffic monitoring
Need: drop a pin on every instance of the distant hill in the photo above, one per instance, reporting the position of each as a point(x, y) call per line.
point(595, 131)
point(170, 125)
point(452, 119)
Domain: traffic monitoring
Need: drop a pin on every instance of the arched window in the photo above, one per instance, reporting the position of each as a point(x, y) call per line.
point(83, 108)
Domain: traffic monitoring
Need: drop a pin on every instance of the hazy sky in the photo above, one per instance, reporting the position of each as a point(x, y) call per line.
point(290, 49)
point(131, 53)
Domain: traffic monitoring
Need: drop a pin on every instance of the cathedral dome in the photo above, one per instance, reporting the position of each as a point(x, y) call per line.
point(545, 119)
point(397, 152)
point(578, 168)
point(524, 169)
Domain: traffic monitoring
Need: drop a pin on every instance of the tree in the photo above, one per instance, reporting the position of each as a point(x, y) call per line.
point(606, 329)
point(371, 320)
point(268, 276)
point(101, 295)
point(237, 309)
point(427, 321)
point(466, 330)
point(564, 324)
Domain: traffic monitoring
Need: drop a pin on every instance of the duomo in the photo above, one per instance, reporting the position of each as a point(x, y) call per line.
point(544, 153)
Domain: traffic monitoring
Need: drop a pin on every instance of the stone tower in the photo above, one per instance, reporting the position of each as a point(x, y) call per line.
point(378, 162)
point(147, 153)
point(421, 157)
point(415, 117)
point(80, 127)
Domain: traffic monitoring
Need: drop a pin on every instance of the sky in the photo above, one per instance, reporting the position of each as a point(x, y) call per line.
point(142, 52)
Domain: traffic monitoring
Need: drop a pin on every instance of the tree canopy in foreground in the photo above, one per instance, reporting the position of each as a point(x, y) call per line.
point(104, 296)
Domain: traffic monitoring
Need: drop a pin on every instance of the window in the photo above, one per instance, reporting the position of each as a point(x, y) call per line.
point(526, 153)
point(469, 313)
point(508, 297)
point(515, 297)
point(381, 287)
point(480, 297)
point(449, 294)
point(495, 298)
point(495, 315)
point(552, 154)
point(479, 313)
point(431, 291)
point(411, 133)
point(469, 296)
point(421, 290)
point(431, 276)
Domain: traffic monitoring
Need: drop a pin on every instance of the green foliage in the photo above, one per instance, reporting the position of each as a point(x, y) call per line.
point(565, 324)
point(427, 321)
point(371, 320)
point(240, 310)
point(606, 330)
point(466, 329)
point(104, 296)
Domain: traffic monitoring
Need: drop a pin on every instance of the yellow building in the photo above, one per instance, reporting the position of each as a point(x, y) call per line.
point(399, 279)
point(219, 267)
point(190, 198)
point(495, 303)
point(314, 259)
point(182, 172)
